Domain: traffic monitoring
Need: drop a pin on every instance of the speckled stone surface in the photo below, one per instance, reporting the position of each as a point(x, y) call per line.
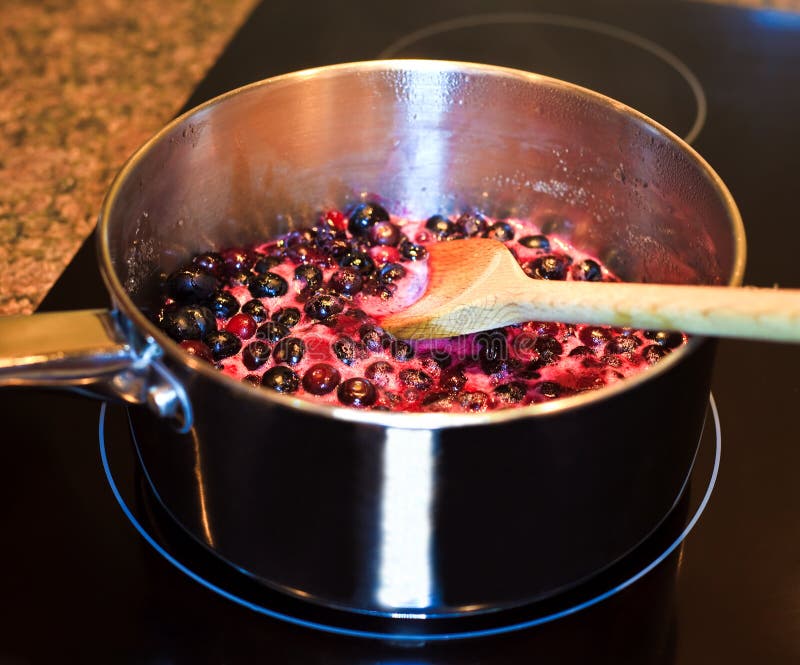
point(83, 84)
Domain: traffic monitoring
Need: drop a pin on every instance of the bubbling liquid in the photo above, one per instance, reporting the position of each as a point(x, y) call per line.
point(300, 314)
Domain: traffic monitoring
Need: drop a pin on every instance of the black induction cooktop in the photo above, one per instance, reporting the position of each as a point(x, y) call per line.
point(81, 584)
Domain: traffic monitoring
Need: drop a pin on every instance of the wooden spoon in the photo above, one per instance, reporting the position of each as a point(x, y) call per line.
point(477, 284)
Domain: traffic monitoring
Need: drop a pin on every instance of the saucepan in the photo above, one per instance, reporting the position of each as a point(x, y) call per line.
point(399, 514)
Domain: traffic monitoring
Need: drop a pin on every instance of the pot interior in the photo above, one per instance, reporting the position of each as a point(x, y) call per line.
point(420, 137)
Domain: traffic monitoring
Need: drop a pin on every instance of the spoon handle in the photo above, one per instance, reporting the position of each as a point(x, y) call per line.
point(718, 311)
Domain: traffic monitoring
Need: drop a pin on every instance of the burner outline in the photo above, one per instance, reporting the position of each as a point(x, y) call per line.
point(416, 638)
point(564, 20)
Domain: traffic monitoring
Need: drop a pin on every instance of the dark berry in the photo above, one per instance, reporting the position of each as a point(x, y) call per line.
point(323, 306)
point(239, 279)
point(412, 251)
point(510, 393)
point(441, 401)
point(493, 351)
point(268, 285)
point(549, 389)
point(299, 237)
point(416, 378)
point(593, 336)
point(222, 343)
point(372, 337)
point(287, 316)
point(359, 261)
point(345, 349)
point(236, 260)
point(210, 262)
point(550, 266)
point(347, 281)
point(622, 344)
point(255, 354)
point(357, 392)
point(320, 379)
point(188, 286)
point(379, 372)
point(366, 216)
point(548, 348)
point(440, 227)
point(453, 379)
point(581, 351)
point(183, 322)
point(374, 286)
point(652, 353)
point(194, 347)
point(242, 325)
point(303, 254)
point(471, 224)
point(587, 271)
point(280, 379)
point(266, 263)
point(309, 275)
point(289, 350)
point(401, 350)
point(384, 233)
point(272, 331)
point(500, 231)
point(535, 242)
point(252, 380)
point(474, 401)
point(391, 272)
point(223, 304)
point(256, 309)
point(667, 338)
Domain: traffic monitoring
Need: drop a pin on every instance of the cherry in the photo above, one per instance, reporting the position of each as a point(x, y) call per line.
point(242, 325)
point(357, 392)
point(320, 379)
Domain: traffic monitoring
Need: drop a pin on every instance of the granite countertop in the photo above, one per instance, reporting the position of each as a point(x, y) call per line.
point(83, 85)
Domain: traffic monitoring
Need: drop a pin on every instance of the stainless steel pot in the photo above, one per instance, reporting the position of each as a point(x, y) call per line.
point(392, 513)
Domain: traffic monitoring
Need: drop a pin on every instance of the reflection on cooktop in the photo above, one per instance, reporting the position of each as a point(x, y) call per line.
point(617, 62)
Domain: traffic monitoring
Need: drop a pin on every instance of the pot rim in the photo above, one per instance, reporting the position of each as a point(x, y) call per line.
point(401, 419)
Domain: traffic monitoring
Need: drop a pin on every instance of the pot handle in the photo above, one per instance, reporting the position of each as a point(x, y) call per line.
point(94, 352)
